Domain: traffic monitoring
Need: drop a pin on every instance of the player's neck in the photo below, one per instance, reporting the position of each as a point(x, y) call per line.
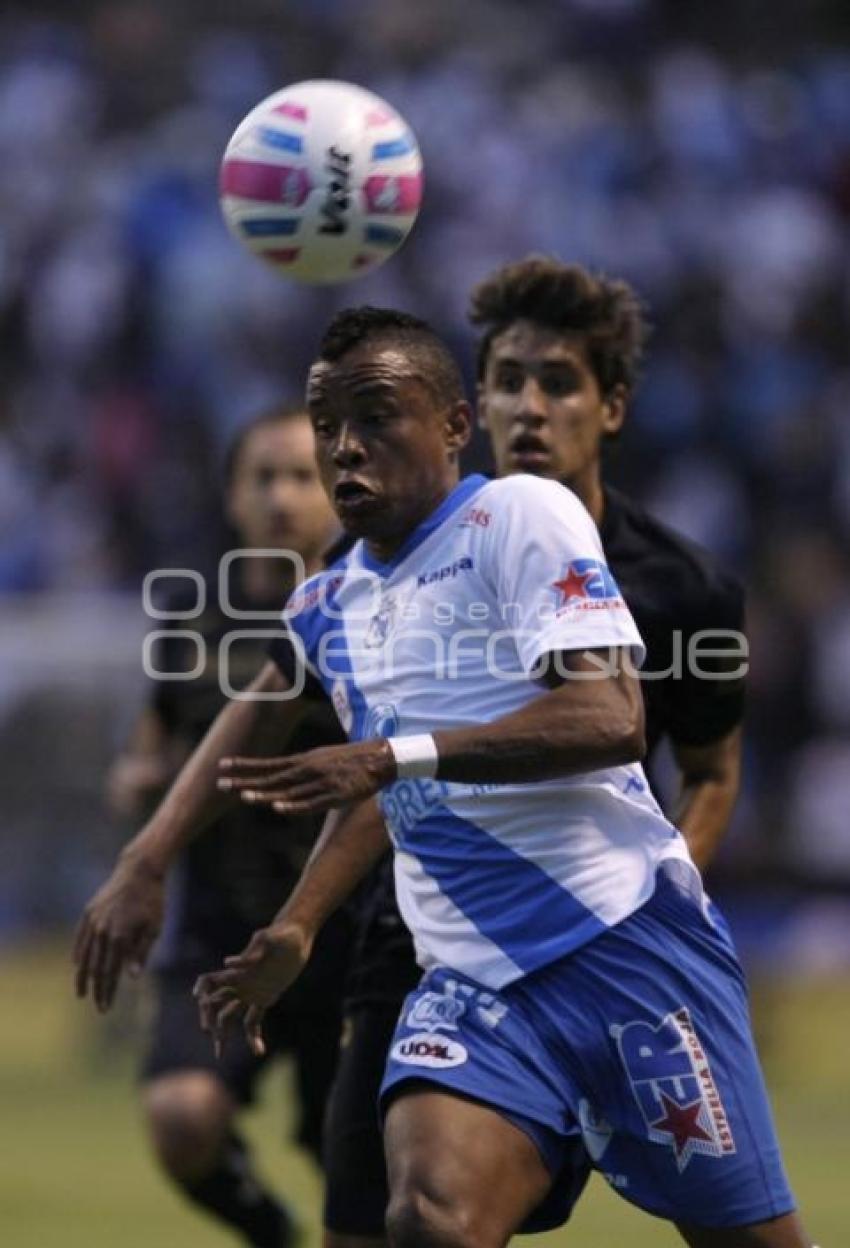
point(385, 547)
point(588, 486)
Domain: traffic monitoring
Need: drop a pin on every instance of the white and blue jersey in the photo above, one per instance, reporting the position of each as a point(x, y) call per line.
point(494, 881)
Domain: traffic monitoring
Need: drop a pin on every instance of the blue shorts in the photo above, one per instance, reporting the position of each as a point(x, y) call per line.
point(632, 1055)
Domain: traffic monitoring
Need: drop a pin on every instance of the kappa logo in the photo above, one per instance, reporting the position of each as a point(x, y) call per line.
point(446, 573)
point(435, 1010)
point(596, 1130)
point(424, 1049)
point(673, 1085)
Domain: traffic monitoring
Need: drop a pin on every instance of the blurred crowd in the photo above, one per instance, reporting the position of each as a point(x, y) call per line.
point(701, 151)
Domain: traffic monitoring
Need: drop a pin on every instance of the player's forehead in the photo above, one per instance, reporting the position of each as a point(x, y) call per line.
point(386, 370)
point(527, 342)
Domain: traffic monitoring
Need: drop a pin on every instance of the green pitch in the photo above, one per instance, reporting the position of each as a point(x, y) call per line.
point(75, 1171)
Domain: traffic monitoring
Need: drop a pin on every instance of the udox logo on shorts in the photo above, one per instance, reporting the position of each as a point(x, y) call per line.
point(425, 1049)
point(674, 1087)
point(434, 1010)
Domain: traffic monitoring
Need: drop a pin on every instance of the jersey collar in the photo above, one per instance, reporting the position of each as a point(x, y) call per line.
point(461, 494)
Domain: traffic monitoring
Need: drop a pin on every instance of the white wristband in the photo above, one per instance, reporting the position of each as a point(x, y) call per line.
point(416, 757)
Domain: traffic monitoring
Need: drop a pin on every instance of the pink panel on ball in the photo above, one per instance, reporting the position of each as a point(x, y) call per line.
point(379, 117)
point(388, 194)
point(282, 255)
point(289, 109)
point(272, 184)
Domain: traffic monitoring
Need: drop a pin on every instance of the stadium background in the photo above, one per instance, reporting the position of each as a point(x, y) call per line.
point(703, 151)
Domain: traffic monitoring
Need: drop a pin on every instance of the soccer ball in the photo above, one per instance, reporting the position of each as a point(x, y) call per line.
point(322, 180)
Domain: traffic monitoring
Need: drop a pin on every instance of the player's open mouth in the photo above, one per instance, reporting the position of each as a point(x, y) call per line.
point(528, 449)
point(352, 493)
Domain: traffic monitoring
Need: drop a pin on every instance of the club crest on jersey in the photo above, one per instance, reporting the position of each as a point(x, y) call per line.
point(673, 1085)
point(435, 1010)
point(425, 1049)
point(381, 623)
point(587, 585)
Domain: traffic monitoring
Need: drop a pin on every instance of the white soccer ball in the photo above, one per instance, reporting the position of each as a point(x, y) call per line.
point(322, 180)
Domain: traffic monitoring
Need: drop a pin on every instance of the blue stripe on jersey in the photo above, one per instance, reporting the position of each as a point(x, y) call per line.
point(268, 227)
point(510, 900)
point(280, 139)
point(461, 494)
point(338, 663)
point(392, 147)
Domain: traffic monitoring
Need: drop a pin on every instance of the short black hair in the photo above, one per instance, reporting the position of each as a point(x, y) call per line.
point(605, 312)
point(354, 326)
point(281, 415)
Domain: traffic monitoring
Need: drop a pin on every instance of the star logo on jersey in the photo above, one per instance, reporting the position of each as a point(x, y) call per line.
point(681, 1122)
point(672, 1082)
point(587, 584)
point(572, 585)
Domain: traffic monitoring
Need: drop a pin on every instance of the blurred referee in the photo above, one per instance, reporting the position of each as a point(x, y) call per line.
point(235, 876)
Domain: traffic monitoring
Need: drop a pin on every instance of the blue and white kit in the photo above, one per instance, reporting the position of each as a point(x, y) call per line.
point(510, 888)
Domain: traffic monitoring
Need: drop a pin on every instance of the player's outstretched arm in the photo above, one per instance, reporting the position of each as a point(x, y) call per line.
point(591, 718)
point(124, 917)
point(351, 843)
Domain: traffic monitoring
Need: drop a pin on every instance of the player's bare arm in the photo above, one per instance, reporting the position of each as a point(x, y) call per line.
point(124, 917)
point(141, 774)
point(710, 777)
point(351, 843)
point(590, 721)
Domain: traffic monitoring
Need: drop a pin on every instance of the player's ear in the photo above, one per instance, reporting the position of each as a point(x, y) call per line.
point(614, 409)
point(458, 427)
point(481, 406)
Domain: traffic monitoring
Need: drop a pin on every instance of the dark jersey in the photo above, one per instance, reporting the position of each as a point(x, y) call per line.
point(236, 876)
point(675, 590)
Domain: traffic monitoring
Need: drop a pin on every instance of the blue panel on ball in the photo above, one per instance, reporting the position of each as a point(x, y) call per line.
point(269, 227)
point(279, 139)
point(393, 147)
point(384, 235)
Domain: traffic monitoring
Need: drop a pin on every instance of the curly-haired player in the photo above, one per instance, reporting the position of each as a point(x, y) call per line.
point(559, 356)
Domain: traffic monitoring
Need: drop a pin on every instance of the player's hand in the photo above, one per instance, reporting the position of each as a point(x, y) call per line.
point(250, 982)
point(117, 929)
point(318, 780)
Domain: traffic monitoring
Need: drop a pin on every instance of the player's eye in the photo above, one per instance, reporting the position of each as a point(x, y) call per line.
point(510, 382)
point(559, 384)
point(323, 429)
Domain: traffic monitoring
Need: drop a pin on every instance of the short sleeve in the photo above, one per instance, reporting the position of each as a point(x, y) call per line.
point(709, 701)
point(545, 560)
point(290, 650)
